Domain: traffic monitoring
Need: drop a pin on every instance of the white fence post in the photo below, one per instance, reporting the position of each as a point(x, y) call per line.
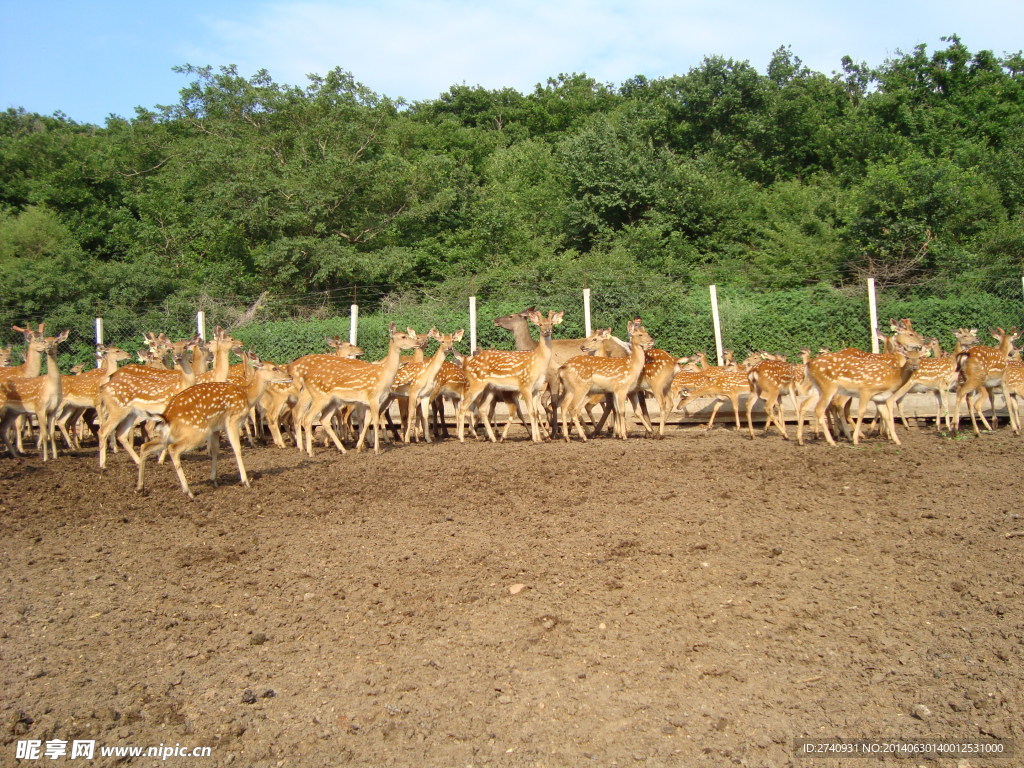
point(873, 312)
point(717, 323)
point(201, 324)
point(353, 324)
point(586, 311)
point(472, 324)
point(99, 338)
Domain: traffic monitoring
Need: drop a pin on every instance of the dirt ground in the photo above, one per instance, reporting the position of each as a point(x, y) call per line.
point(698, 600)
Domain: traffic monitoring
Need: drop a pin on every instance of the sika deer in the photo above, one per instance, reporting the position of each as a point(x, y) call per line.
point(937, 375)
point(521, 372)
point(198, 413)
point(33, 363)
point(869, 377)
point(39, 395)
point(982, 368)
point(278, 396)
point(332, 384)
point(769, 379)
point(561, 349)
point(128, 397)
point(81, 392)
point(1013, 388)
point(583, 376)
point(416, 382)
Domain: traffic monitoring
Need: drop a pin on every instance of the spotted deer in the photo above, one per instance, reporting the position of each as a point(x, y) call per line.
point(724, 386)
point(419, 351)
point(1013, 389)
point(937, 375)
point(982, 368)
point(417, 383)
point(197, 414)
point(868, 377)
point(221, 346)
point(81, 392)
point(561, 349)
point(522, 372)
point(127, 398)
point(583, 376)
point(39, 396)
point(770, 379)
point(332, 384)
point(33, 363)
point(280, 397)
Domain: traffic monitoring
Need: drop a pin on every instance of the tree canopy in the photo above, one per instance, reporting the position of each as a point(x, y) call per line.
point(911, 169)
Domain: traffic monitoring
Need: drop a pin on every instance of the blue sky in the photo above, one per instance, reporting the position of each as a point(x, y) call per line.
point(90, 60)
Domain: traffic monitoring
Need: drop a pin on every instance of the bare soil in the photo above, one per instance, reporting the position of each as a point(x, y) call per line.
point(698, 600)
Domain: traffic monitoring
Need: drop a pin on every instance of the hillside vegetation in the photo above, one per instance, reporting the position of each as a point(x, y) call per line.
point(784, 181)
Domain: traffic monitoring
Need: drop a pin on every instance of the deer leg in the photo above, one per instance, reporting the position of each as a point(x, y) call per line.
point(212, 448)
point(125, 434)
point(232, 429)
point(148, 448)
point(48, 428)
point(62, 421)
point(175, 452)
point(991, 395)
point(5, 430)
point(609, 409)
point(972, 407)
point(327, 422)
point(862, 407)
point(819, 414)
point(751, 401)
point(274, 422)
point(714, 412)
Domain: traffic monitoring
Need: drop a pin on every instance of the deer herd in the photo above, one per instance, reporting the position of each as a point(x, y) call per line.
point(184, 393)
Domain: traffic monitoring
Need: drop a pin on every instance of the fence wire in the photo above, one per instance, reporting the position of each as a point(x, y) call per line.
point(678, 315)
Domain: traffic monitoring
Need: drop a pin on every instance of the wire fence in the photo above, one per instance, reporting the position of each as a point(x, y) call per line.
point(679, 316)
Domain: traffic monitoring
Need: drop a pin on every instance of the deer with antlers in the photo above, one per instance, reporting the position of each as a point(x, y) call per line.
point(198, 413)
point(39, 396)
point(981, 368)
point(583, 376)
point(521, 372)
point(333, 384)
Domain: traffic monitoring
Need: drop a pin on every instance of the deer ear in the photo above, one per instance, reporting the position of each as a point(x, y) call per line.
point(411, 332)
point(534, 316)
point(62, 336)
point(606, 334)
point(391, 328)
point(457, 336)
point(434, 334)
point(557, 318)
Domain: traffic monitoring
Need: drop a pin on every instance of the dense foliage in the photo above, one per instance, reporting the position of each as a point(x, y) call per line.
point(911, 171)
